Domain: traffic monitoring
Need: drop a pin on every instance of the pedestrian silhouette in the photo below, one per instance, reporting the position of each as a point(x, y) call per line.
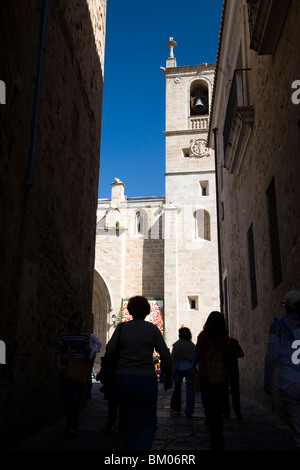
point(76, 343)
point(107, 379)
point(213, 344)
point(236, 353)
point(283, 348)
point(95, 347)
point(136, 381)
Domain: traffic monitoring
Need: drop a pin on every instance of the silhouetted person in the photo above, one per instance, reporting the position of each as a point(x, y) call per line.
point(79, 344)
point(136, 381)
point(283, 348)
point(183, 357)
point(95, 347)
point(236, 353)
point(213, 344)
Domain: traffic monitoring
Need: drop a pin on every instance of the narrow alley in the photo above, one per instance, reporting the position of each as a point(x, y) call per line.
point(176, 433)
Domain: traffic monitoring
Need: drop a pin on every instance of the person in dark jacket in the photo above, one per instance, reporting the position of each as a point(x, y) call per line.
point(213, 343)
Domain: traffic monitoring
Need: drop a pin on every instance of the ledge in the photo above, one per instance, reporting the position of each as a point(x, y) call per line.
point(239, 136)
point(268, 23)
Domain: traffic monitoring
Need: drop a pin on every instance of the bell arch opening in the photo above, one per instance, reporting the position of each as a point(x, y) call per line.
point(199, 98)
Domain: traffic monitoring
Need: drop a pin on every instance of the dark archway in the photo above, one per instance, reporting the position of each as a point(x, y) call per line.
point(101, 309)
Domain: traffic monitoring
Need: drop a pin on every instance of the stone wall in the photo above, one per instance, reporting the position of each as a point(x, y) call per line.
point(130, 263)
point(272, 151)
point(47, 240)
point(144, 272)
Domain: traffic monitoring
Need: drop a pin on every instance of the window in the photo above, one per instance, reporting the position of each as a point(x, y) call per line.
point(204, 188)
point(101, 224)
point(186, 153)
point(160, 222)
point(202, 224)
point(193, 302)
point(139, 224)
point(206, 225)
point(252, 273)
point(274, 234)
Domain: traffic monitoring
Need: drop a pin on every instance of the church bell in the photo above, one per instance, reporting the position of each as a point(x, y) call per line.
point(199, 107)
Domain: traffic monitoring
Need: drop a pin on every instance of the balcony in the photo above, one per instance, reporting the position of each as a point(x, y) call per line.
point(238, 121)
point(198, 122)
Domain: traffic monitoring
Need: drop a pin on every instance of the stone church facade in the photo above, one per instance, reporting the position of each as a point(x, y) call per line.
point(165, 248)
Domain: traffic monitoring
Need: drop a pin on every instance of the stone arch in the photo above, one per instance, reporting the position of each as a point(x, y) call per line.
point(202, 224)
point(102, 306)
point(139, 223)
point(199, 90)
point(140, 217)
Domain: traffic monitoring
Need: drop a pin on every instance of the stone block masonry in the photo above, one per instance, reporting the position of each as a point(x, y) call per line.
point(48, 238)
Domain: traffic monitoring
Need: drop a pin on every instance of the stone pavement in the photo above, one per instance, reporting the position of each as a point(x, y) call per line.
point(176, 433)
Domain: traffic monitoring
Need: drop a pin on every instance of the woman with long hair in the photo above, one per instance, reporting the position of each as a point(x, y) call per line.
point(213, 345)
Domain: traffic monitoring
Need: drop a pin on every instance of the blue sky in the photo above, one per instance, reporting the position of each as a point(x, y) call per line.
point(133, 112)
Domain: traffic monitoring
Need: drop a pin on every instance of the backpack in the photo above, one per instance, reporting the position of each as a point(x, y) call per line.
point(215, 367)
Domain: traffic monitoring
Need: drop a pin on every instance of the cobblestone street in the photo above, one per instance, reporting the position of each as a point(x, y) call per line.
point(176, 432)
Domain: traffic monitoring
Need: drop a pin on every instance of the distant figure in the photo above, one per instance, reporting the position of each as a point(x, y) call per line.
point(283, 347)
point(79, 344)
point(95, 347)
point(183, 357)
point(213, 343)
point(136, 381)
point(157, 367)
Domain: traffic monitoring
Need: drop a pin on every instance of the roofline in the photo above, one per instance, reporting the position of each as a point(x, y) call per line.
point(134, 198)
point(216, 68)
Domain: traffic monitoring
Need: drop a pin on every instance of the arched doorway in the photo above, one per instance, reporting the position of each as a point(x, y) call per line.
point(101, 308)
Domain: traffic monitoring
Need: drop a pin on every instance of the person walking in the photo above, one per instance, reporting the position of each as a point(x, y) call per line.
point(95, 347)
point(183, 357)
point(236, 353)
point(76, 343)
point(135, 378)
point(283, 348)
point(213, 345)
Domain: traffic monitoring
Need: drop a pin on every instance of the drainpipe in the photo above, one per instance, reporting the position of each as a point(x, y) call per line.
point(218, 221)
point(37, 97)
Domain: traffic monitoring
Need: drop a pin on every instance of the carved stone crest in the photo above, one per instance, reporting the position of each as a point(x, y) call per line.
point(198, 148)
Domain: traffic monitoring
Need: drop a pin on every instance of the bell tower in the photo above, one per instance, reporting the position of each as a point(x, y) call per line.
point(190, 223)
